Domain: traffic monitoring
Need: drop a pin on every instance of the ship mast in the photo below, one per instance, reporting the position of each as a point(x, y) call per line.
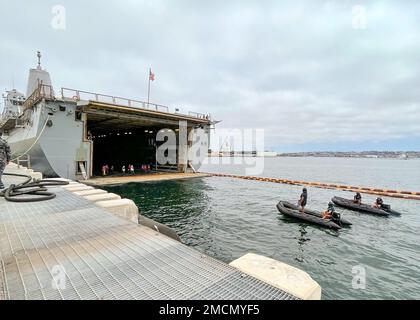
point(39, 60)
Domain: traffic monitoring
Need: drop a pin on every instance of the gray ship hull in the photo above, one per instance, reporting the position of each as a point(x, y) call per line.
point(53, 140)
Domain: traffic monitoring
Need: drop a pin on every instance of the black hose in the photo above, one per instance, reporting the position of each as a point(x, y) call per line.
point(37, 188)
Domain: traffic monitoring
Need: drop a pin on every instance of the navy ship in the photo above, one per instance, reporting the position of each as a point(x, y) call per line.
point(72, 133)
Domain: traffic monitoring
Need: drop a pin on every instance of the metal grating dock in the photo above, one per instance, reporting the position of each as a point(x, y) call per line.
point(105, 257)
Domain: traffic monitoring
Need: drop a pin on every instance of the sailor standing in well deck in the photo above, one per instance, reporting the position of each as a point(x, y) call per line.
point(4, 157)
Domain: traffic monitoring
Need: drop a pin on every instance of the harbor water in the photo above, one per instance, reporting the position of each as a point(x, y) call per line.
point(377, 258)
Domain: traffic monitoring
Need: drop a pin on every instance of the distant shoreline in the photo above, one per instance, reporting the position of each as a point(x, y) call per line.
point(362, 154)
point(401, 155)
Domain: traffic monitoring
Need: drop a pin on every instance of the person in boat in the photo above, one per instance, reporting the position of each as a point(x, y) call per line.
point(378, 203)
point(303, 200)
point(357, 198)
point(327, 214)
point(331, 214)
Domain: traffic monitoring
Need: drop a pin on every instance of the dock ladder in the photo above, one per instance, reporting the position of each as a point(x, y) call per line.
point(26, 158)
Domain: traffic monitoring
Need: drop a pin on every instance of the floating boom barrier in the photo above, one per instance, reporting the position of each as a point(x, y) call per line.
point(382, 192)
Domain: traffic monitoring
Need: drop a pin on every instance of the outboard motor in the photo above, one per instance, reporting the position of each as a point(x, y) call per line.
point(386, 207)
point(336, 218)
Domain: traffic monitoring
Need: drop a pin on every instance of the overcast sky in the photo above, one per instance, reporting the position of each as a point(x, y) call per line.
point(316, 75)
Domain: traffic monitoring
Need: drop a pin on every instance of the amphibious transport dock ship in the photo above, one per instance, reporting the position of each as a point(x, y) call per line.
point(73, 133)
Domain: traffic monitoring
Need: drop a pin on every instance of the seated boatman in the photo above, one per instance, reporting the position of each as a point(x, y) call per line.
point(378, 203)
point(357, 198)
point(327, 214)
point(303, 200)
point(5, 155)
point(331, 214)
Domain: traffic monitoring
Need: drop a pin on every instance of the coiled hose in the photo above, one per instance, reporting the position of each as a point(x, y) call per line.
point(36, 188)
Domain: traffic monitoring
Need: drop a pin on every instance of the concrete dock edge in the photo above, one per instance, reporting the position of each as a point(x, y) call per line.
point(279, 275)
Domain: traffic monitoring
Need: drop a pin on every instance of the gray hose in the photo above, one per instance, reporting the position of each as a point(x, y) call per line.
point(36, 188)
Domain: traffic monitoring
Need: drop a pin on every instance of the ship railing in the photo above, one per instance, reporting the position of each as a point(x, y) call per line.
point(43, 91)
point(199, 115)
point(6, 117)
point(98, 97)
point(78, 95)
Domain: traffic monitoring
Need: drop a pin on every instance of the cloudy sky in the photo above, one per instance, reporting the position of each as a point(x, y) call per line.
point(315, 75)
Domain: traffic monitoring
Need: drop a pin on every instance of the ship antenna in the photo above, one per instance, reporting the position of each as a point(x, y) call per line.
point(39, 59)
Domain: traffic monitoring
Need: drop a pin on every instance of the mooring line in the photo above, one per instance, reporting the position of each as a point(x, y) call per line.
point(412, 195)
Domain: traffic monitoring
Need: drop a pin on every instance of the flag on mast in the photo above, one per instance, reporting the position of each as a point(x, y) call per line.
point(151, 78)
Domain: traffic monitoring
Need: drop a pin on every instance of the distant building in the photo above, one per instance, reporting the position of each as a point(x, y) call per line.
point(266, 154)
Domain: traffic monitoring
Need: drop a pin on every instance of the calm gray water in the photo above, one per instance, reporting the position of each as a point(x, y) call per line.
point(226, 218)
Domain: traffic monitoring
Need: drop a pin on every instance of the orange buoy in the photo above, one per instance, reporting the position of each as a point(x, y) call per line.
point(412, 195)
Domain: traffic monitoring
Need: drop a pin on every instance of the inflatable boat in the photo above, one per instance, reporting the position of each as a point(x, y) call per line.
point(306, 217)
point(292, 206)
point(365, 208)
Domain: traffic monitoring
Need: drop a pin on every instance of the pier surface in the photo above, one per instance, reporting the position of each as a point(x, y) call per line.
point(70, 248)
point(158, 176)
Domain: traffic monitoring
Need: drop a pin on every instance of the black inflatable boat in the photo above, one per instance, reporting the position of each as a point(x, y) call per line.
point(349, 204)
point(292, 206)
point(306, 217)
